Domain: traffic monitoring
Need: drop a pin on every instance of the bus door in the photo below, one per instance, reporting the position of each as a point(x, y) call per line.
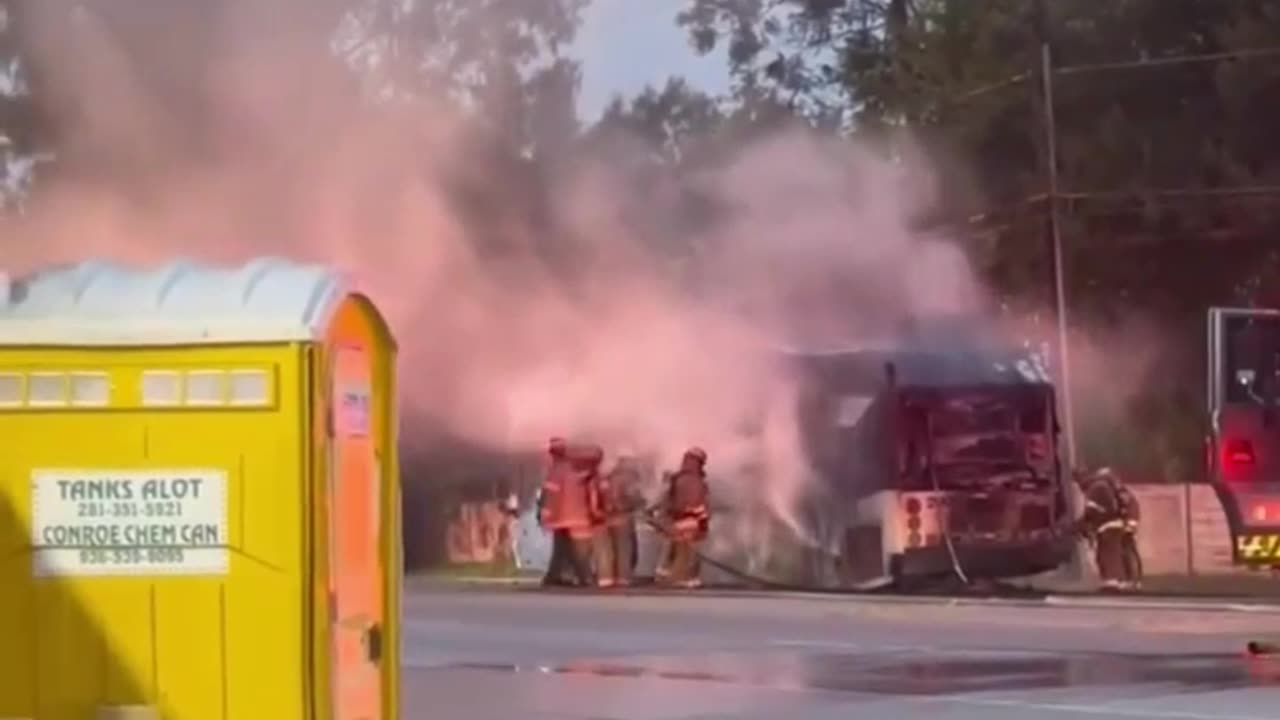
point(1244, 428)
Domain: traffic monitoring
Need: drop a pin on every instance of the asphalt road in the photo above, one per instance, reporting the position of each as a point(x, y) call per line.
point(501, 654)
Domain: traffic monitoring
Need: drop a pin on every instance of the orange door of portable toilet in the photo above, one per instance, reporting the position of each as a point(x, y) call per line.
point(353, 492)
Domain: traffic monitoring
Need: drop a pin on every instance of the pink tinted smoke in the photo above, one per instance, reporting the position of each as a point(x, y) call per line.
point(813, 249)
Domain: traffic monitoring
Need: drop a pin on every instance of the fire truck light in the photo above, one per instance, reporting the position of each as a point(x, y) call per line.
point(1263, 511)
point(1239, 453)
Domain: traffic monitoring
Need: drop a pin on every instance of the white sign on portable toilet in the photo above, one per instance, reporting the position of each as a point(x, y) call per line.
point(129, 522)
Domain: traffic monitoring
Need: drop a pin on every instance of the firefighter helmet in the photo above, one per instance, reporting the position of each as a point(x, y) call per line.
point(1107, 474)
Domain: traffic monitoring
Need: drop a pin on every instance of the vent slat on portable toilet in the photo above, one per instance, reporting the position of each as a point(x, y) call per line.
point(199, 513)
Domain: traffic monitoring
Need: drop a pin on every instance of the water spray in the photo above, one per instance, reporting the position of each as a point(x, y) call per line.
point(956, 567)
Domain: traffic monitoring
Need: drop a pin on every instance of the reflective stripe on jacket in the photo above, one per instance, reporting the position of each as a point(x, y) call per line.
point(1112, 525)
point(620, 496)
point(1101, 506)
point(689, 494)
point(553, 486)
point(571, 498)
point(687, 504)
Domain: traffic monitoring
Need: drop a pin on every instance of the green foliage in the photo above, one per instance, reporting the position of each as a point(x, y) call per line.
point(504, 60)
point(963, 78)
point(669, 121)
point(20, 136)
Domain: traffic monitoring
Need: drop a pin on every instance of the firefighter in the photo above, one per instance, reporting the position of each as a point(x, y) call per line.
point(1103, 523)
point(620, 500)
point(587, 515)
point(685, 515)
point(1131, 513)
point(568, 496)
point(549, 511)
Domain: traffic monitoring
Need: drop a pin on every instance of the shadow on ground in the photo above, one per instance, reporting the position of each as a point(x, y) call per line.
point(882, 673)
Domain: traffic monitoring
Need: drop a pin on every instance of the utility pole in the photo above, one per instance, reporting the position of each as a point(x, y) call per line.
point(1055, 237)
point(1075, 569)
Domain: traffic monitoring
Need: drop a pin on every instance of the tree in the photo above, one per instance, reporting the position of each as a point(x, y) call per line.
point(133, 106)
point(962, 78)
point(152, 82)
point(503, 59)
point(668, 121)
point(21, 142)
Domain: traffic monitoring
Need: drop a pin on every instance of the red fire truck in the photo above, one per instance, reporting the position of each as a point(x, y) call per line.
point(1244, 428)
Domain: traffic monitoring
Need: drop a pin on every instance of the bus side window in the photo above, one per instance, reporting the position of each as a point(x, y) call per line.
point(1033, 416)
point(914, 446)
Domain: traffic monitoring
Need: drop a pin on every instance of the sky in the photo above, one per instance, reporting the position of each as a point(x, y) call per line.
point(627, 44)
point(624, 45)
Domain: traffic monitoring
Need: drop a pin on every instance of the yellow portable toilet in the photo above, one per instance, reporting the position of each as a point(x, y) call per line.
point(199, 496)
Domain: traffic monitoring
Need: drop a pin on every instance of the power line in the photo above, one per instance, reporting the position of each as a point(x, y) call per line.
point(992, 87)
point(1245, 54)
point(1085, 68)
point(1169, 193)
point(1094, 203)
point(1166, 193)
point(1240, 192)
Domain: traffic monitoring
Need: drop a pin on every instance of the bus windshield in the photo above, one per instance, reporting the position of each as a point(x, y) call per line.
point(983, 427)
point(972, 438)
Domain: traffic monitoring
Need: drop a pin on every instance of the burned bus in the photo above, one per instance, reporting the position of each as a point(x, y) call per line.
point(1244, 428)
point(936, 464)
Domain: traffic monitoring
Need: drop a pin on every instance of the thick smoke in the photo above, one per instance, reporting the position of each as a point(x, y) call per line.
point(640, 345)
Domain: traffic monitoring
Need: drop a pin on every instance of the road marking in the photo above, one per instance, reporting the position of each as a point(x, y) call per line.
point(922, 649)
point(1094, 710)
point(1165, 605)
point(836, 645)
point(1103, 710)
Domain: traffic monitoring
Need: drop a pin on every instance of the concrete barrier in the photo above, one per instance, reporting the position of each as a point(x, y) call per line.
point(1184, 531)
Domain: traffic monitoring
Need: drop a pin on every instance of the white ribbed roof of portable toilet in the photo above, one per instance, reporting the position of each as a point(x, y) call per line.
point(102, 303)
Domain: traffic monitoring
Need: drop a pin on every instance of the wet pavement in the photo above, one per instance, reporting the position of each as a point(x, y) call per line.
point(476, 655)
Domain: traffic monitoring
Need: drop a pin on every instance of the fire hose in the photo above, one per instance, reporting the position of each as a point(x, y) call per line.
point(763, 583)
point(760, 582)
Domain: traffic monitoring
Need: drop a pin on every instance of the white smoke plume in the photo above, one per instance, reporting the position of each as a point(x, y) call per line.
point(657, 350)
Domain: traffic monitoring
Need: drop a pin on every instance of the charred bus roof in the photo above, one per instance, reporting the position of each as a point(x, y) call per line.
point(866, 371)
